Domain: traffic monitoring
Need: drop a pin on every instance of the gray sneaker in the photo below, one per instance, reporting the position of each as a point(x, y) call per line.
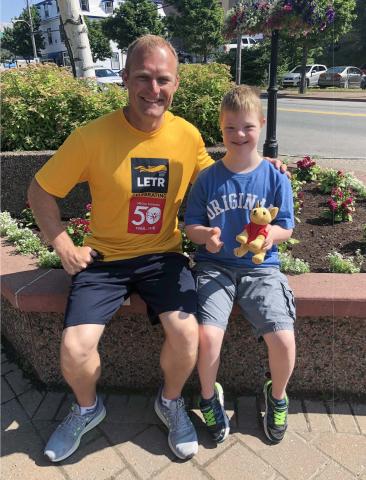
point(66, 438)
point(182, 437)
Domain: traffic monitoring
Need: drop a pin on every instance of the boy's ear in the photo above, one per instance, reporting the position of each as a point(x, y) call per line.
point(263, 121)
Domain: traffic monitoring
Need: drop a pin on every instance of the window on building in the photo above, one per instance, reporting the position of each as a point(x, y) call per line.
point(49, 36)
point(108, 6)
point(46, 12)
point(115, 61)
point(84, 5)
point(62, 33)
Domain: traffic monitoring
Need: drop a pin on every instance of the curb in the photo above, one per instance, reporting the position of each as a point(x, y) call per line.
point(305, 97)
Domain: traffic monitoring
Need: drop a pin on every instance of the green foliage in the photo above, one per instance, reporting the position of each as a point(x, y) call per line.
point(17, 38)
point(285, 246)
point(198, 23)
point(41, 105)
point(298, 194)
point(99, 43)
point(27, 217)
point(132, 19)
point(6, 222)
point(307, 170)
point(47, 259)
point(340, 264)
point(289, 264)
point(329, 178)
point(188, 246)
point(199, 96)
point(26, 242)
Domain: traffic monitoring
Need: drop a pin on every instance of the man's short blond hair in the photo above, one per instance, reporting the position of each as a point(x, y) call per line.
point(148, 42)
point(242, 98)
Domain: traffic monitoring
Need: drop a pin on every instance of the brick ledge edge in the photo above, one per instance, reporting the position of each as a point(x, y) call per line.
point(31, 289)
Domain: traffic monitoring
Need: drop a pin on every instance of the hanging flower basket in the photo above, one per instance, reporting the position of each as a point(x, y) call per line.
point(296, 18)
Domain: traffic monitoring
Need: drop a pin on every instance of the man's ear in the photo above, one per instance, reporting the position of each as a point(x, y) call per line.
point(177, 80)
point(124, 77)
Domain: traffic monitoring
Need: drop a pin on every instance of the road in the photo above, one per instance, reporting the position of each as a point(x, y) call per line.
point(330, 129)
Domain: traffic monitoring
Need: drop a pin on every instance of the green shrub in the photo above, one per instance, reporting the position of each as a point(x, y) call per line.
point(289, 264)
point(42, 104)
point(329, 178)
point(340, 264)
point(47, 259)
point(199, 96)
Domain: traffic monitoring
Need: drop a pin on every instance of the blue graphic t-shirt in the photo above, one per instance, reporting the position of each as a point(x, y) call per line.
point(221, 198)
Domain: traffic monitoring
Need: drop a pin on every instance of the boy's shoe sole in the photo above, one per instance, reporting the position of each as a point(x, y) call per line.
point(87, 428)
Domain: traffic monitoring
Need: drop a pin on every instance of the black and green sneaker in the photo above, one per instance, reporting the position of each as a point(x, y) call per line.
point(215, 416)
point(275, 417)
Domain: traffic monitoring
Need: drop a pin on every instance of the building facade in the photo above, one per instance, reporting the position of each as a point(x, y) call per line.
point(55, 49)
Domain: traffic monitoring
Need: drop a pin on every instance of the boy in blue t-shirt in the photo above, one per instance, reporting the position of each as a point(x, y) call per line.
point(218, 207)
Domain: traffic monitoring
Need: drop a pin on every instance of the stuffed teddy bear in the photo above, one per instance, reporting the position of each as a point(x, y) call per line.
point(254, 234)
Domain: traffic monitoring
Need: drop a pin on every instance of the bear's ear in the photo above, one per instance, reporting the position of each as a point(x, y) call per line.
point(273, 211)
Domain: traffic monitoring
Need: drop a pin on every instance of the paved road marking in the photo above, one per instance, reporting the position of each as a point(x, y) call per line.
point(342, 114)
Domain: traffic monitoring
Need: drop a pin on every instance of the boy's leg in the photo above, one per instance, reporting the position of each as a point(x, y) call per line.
point(216, 292)
point(281, 356)
point(210, 342)
point(268, 303)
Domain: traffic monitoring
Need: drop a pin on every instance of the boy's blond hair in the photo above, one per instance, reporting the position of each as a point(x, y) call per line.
point(242, 98)
point(148, 42)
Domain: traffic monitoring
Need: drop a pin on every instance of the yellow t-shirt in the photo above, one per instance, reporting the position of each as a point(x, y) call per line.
point(137, 181)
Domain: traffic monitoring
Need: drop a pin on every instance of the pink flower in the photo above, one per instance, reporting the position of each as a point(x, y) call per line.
point(287, 8)
point(88, 206)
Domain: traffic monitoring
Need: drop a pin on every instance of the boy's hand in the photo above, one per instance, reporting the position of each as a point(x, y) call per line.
point(213, 242)
point(268, 241)
point(279, 165)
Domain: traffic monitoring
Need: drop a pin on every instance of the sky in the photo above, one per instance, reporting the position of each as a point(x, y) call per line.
point(12, 8)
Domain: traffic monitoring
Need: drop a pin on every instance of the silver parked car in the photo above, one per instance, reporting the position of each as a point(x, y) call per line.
point(106, 76)
point(292, 78)
point(343, 76)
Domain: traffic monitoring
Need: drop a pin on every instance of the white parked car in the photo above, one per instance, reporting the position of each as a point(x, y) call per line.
point(246, 42)
point(107, 75)
point(292, 78)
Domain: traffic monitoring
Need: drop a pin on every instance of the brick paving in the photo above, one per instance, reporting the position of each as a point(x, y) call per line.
point(325, 440)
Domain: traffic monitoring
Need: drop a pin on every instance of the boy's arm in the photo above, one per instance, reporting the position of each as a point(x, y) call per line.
point(208, 236)
point(275, 235)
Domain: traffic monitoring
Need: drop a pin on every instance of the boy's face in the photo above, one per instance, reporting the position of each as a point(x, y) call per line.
point(241, 130)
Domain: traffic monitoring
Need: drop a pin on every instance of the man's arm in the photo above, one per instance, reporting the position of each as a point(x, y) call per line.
point(47, 214)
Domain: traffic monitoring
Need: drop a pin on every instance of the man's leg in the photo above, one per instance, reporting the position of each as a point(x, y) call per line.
point(178, 358)
point(80, 365)
point(80, 361)
point(179, 352)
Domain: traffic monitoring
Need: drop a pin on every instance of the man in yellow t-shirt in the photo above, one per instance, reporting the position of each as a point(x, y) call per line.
point(138, 163)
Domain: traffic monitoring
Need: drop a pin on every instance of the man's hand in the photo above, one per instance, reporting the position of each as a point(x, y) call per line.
point(279, 165)
point(76, 259)
point(213, 242)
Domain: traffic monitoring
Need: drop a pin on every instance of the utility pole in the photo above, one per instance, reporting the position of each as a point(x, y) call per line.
point(238, 59)
point(35, 56)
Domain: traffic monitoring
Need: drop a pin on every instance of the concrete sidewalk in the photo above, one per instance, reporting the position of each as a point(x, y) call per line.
point(350, 95)
point(325, 440)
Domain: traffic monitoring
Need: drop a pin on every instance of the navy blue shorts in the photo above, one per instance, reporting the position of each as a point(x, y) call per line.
point(164, 281)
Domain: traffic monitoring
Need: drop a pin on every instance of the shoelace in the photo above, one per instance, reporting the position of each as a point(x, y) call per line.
point(279, 416)
point(74, 419)
point(214, 414)
point(179, 417)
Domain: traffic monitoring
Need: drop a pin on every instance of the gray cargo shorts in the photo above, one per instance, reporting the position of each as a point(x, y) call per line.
point(263, 295)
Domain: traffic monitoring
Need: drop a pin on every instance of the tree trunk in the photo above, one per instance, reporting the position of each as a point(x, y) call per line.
point(77, 34)
point(302, 86)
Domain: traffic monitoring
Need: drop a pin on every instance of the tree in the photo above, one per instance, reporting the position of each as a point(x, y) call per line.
point(76, 34)
point(132, 19)
point(198, 23)
point(17, 38)
point(344, 16)
point(99, 43)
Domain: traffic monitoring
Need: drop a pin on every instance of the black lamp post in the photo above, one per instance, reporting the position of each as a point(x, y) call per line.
point(270, 147)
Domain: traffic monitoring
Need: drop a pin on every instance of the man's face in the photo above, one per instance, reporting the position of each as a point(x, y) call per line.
point(151, 82)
